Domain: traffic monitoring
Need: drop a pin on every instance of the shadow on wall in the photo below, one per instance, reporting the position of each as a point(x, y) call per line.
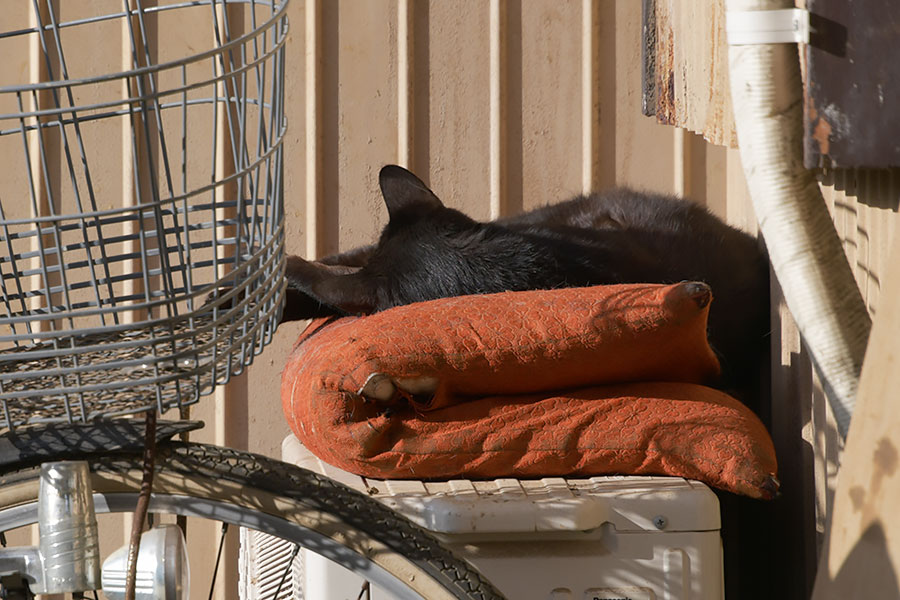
point(867, 572)
point(877, 188)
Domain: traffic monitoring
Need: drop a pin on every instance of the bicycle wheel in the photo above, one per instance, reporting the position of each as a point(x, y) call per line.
point(260, 493)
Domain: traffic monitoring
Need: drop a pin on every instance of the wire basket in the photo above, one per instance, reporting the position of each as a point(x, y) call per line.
point(141, 204)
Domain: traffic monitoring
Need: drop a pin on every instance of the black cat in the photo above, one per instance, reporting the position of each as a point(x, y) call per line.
point(428, 251)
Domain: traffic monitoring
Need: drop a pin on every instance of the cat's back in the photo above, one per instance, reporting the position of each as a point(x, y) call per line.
point(680, 232)
point(617, 208)
point(666, 239)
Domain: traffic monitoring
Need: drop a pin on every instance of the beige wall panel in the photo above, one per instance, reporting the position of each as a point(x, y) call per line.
point(105, 41)
point(861, 202)
point(295, 155)
point(365, 126)
point(644, 151)
point(701, 173)
point(458, 123)
point(821, 433)
point(549, 153)
point(710, 180)
point(606, 67)
point(15, 69)
point(740, 211)
point(265, 423)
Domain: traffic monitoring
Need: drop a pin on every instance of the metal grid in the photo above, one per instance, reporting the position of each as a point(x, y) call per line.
point(148, 292)
point(269, 567)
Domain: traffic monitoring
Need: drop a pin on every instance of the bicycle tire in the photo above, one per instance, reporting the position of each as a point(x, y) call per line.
point(275, 497)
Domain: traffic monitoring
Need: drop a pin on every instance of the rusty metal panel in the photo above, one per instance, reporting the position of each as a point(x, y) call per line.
point(852, 83)
point(685, 74)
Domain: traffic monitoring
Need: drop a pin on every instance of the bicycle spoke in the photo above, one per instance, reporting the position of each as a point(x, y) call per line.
point(212, 585)
point(366, 590)
point(287, 570)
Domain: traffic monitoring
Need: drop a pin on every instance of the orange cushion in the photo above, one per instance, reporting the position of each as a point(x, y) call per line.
point(527, 346)
point(526, 342)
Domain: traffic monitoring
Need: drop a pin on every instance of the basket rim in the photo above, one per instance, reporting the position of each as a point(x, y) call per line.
point(274, 244)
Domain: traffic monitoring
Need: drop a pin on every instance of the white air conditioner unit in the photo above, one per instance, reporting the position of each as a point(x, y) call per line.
point(268, 565)
point(641, 538)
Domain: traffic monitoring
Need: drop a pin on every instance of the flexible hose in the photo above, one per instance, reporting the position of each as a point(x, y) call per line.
point(809, 262)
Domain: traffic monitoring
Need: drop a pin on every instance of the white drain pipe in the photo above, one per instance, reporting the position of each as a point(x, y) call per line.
point(806, 254)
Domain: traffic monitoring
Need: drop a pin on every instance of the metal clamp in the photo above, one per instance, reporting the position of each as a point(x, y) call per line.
point(751, 27)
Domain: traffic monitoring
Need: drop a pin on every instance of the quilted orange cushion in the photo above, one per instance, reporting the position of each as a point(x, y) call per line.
point(455, 356)
point(522, 342)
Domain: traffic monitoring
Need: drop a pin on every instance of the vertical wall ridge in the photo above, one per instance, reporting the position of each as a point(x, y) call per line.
point(498, 114)
point(37, 164)
point(590, 101)
point(312, 126)
point(405, 91)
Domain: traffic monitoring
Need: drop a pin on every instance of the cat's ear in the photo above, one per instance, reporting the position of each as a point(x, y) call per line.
point(315, 287)
point(403, 190)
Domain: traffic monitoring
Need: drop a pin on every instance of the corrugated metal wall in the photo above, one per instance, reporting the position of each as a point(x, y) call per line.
point(501, 106)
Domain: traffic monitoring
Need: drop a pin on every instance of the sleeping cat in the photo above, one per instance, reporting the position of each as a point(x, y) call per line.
point(429, 251)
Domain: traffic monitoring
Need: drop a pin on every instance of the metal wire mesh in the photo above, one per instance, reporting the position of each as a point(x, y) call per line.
point(141, 206)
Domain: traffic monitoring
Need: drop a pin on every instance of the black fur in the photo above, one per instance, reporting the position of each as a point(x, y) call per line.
point(428, 251)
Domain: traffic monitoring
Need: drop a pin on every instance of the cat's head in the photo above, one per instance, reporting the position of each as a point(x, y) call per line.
point(403, 264)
